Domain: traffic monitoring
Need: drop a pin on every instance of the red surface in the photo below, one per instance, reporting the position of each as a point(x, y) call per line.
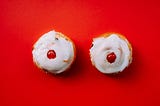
point(22, 22)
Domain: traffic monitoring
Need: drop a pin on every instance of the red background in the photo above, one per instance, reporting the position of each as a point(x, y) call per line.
point(22, 22)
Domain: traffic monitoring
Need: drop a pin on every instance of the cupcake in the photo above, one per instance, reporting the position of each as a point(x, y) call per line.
point(111, 53)
point(54, 52)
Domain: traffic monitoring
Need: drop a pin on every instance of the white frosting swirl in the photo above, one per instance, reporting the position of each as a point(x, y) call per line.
point(103, 46)
point(63, 48)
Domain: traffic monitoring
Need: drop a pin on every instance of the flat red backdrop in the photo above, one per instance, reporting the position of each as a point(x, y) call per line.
point(22, 22)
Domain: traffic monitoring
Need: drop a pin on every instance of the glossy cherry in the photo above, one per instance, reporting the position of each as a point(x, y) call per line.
point(111, 57)
point(51, 54)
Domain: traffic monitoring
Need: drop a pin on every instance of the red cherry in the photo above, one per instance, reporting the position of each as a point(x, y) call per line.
point(111, 57)
point(51, 54)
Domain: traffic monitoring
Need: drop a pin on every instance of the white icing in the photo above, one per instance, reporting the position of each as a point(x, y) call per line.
point(103, 46)
point(64, 52)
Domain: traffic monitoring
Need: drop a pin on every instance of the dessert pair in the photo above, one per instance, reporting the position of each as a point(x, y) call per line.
point(55, 53)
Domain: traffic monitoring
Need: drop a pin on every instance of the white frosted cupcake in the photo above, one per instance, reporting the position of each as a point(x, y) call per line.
point(54, 52)
point(111, 53)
